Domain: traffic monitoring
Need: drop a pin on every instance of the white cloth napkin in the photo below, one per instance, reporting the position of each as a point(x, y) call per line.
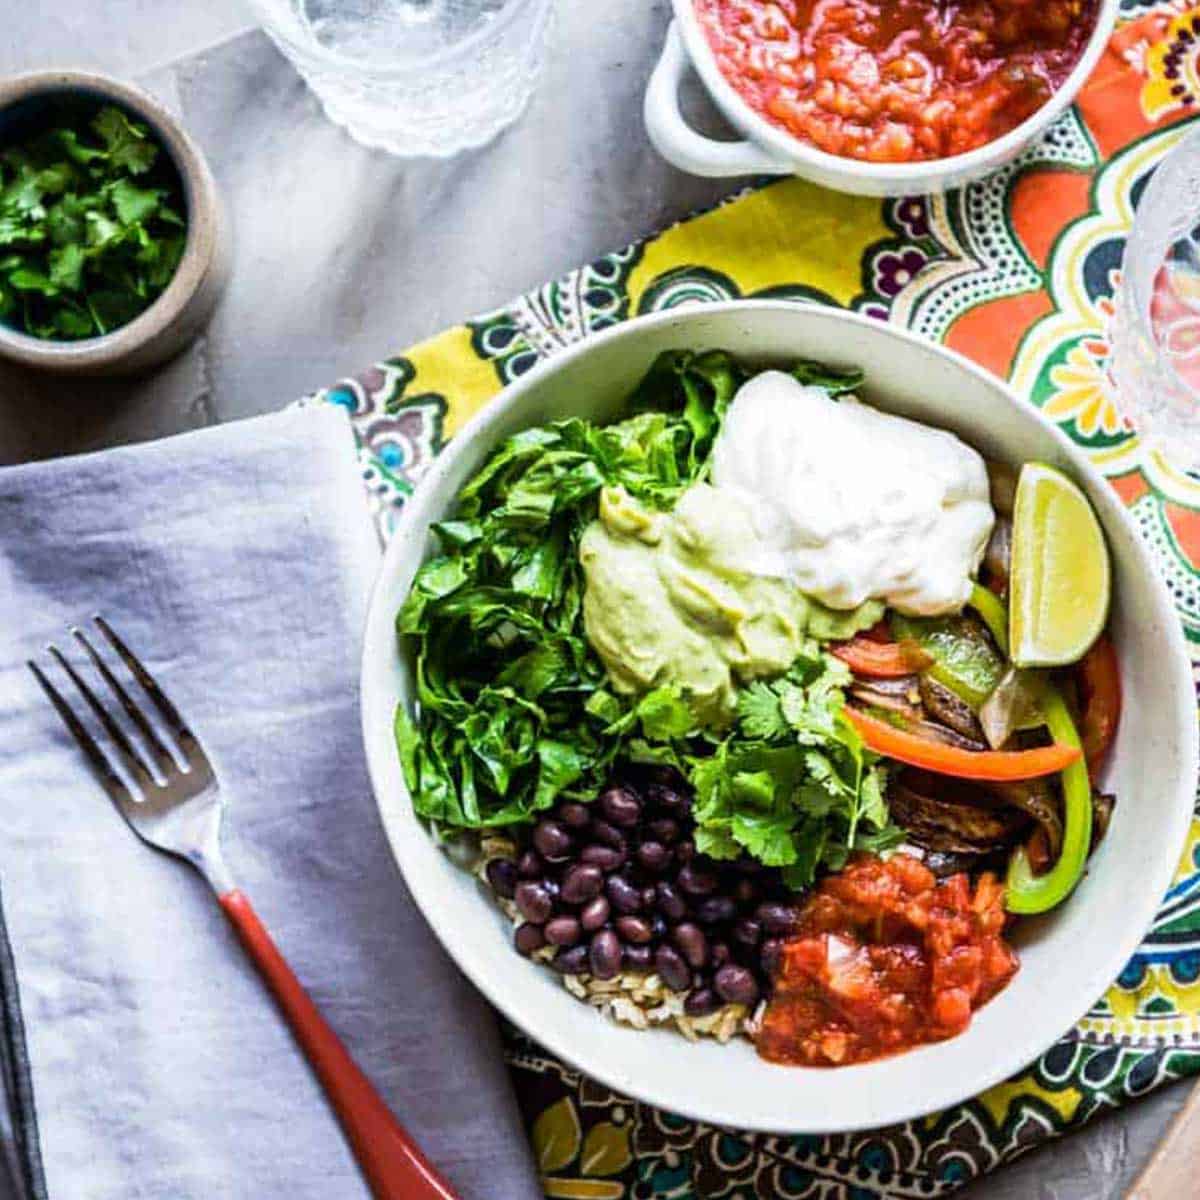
point(236, 561)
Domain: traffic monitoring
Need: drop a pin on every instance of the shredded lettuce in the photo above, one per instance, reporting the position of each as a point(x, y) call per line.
point(514, 707)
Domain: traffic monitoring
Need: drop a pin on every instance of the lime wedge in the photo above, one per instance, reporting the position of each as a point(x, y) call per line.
point(1060, 581)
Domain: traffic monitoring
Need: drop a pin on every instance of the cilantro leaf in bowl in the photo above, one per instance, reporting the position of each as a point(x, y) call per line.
point(91, 229)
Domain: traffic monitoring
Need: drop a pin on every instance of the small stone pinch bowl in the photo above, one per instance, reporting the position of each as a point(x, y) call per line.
point(179, 313)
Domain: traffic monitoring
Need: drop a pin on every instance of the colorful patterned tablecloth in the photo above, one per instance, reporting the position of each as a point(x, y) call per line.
point(1017, 271)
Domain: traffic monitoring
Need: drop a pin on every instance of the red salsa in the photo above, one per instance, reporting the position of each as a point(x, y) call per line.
point(896, 80)
point(886, 957)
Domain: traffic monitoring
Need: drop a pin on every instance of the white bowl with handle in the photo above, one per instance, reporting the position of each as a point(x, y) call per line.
point(768, 149)
point(1069, 956)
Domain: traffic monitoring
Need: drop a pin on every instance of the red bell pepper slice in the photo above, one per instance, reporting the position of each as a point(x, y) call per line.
point(881, 660)
point(942, 759)
point(1100, 688)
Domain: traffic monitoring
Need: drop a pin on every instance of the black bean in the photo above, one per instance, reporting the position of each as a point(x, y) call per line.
point(573, 815)
point(607, 835)
point(745, 891)
point(736, 985)
point(594, 914)
point(534, 901)
point(634, 929)
point(581, 883)
point(769, 955)
point(674, 971)
point(654, 856)
point(777, 918)
point(696, 880)
point(747, 866)
point(649, 895)
point(701, 1001)
point(528, 938)
point(605, 857)
point(624, 896)
point(718, 954)
point(691, 943)
point(552, 841)
point(620, 806)
point(669, 902)
point(747, 931)
point(670, 800)
point(563, 931)
point(637, 958)
point(530, 865)
point(502, 877)
point(664, 830)
point(604, 955)
point(571, 961)
point(685, 851)
point(715, 909)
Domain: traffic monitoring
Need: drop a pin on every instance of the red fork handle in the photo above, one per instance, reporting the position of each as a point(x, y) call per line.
point(393, 1165)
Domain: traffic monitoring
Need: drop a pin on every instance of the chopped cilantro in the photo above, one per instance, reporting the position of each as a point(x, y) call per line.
point(792, 783)
point(90, 229)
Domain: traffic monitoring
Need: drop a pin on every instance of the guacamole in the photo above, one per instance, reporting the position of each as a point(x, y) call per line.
point(672, 598)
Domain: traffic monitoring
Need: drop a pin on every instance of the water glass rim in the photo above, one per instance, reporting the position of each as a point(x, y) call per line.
point(1142, 274)
point(1140, 363)
point(311, 50)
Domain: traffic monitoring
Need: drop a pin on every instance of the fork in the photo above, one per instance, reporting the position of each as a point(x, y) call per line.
point(177, 808)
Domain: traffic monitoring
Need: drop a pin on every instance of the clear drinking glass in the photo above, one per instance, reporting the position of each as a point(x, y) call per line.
point(1156, 327)
point(415, 77)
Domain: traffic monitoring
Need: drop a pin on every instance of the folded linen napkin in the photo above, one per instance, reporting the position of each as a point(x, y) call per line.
point(236, 561)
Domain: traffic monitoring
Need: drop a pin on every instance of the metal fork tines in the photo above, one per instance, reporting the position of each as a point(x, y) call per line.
point(162, 785)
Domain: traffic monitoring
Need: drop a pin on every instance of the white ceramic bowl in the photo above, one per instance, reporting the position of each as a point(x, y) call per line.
point(1068, 957)
point(771, 150)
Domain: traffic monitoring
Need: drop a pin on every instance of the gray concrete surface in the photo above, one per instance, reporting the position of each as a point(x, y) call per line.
point(344, 255)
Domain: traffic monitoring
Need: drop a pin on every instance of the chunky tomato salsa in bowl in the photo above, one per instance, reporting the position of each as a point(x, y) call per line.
point(878, 97)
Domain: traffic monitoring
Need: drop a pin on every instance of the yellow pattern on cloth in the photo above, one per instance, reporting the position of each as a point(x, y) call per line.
point(760, 242)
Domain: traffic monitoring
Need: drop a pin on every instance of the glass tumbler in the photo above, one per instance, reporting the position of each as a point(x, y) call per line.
point(1155, 334)
point(415, 77)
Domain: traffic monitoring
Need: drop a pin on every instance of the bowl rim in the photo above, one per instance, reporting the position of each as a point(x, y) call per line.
point(201, 202)
point(926, 175)
point(377, 722)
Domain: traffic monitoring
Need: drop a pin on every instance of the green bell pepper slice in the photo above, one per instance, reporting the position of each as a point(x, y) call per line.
point(964, 660)
point(1028, 893)
point(993, 612)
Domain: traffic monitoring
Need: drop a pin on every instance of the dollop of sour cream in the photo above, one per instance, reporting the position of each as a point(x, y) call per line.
point(850, 503)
